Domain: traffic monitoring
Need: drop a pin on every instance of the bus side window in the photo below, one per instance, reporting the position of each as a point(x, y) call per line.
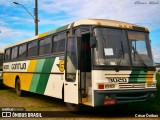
point(7, 54)
point(54, 44)
point(32, 48)
point(77, 32)
point(44, 46)
point(61, 42)
point(14, 53)
point(58, 42)
point(41, 47)
point(1, 61)
point(47, 45)
point(22, 51)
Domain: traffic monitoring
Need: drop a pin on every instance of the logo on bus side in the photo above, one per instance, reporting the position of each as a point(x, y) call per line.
point(118, 80)
point(18, 66)
point(61, 66)
point(5, 67)
point(15, 66)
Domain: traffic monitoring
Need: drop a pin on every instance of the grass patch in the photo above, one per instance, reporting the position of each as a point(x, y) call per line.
point(36, 102)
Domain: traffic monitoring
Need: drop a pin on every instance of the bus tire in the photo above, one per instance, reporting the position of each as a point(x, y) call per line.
point(19, 92)
point(63, 93)
point(73, 107)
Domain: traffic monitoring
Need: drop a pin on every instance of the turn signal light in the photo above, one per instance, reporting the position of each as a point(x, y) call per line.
point(109, 102)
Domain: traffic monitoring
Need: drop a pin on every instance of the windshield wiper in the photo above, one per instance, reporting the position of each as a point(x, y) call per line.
point(103, 38)
point(139, 57)
point(119, 59)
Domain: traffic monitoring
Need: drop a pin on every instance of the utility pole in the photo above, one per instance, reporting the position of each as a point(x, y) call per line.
point(36, 17)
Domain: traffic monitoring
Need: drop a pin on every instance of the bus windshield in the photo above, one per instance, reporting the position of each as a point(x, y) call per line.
point(112, 48)
point(140, 48)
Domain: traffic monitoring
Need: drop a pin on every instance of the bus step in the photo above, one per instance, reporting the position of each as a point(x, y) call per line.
point(87, 103)
point(84, 95)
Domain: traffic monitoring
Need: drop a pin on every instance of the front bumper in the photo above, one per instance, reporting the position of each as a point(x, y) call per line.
point(123, 96)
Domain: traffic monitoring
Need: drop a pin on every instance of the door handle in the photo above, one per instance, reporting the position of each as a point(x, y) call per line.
point(75, 84)
point(66, 84)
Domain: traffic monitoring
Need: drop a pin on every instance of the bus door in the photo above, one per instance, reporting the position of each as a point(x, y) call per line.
point(85, 66)
point(1, 61)
point(71, 86)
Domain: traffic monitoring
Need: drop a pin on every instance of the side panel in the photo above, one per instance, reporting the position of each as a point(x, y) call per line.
point(27, 78)
point(43, 76)
point(55, 81)
point(11, 70)
point(71, 91)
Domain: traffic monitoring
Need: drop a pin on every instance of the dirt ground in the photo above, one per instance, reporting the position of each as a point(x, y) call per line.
point(34, 102)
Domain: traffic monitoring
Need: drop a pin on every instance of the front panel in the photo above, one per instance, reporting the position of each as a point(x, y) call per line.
point(111, 87)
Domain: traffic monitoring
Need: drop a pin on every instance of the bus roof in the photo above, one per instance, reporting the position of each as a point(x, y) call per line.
point(98, 22)
point(1, 51)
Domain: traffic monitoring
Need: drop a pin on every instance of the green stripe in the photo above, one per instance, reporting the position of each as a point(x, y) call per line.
point(58, 30)
point(36, 77)
point(39, 81)
point(137, 76)
point(47, 67)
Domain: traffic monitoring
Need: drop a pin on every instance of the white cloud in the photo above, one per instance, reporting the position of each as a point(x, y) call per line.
point(73, 10)
point(2, 46)
point(126, 10)
point(156, 52)
point(60, 12)
point(9, 36)
point(2, 23)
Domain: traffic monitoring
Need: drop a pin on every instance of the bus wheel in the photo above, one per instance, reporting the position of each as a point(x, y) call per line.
point(18, 87)
point(73, 107)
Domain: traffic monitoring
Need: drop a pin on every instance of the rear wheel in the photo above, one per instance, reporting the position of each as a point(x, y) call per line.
point(73, 107)
point(1, 84)
point(19, 92)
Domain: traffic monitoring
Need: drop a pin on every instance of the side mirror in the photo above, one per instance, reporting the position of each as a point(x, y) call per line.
point(93, 42)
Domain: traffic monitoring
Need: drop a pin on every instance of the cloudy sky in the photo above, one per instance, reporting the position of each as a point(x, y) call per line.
point(16, 24)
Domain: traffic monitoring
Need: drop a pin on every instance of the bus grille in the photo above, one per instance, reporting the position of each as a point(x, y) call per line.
point(131, 85)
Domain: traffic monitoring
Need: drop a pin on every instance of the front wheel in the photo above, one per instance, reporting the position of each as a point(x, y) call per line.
point(19, 92)
point(73, 107)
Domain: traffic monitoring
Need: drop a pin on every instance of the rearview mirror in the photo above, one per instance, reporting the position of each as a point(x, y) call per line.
point(93, 42)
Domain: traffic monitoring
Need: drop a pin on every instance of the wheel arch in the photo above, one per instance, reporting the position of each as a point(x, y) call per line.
point(17, 77)
point(63, 92)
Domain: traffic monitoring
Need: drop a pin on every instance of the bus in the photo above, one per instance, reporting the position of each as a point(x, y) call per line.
point(93, 62)
point(1, 66)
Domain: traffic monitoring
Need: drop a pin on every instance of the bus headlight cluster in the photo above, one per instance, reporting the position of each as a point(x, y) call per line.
point(151, 85)
point(102, 86)
point(110, 86)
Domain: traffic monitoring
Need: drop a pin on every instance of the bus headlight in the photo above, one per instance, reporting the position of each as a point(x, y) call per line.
point(109, 86)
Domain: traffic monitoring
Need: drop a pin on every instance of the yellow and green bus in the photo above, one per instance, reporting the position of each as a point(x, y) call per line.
point(92, 62)
point(1, 66)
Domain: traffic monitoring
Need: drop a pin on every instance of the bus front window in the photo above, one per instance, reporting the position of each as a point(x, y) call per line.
point(140, 48)
point(111, 48)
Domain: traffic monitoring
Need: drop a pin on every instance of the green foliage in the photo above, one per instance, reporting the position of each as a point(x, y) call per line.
point(158, 76)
